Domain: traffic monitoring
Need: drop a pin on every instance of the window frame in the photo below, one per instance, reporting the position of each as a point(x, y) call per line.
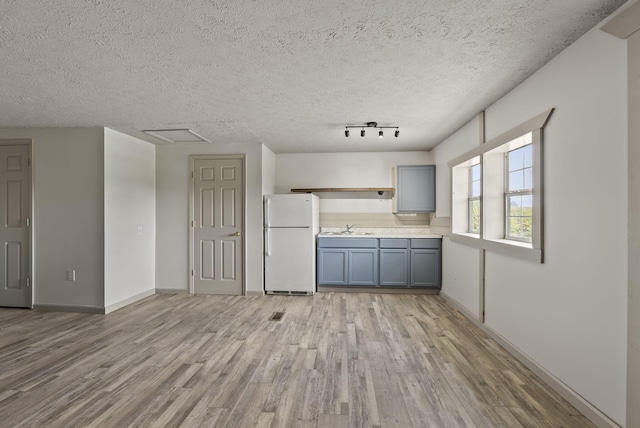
point(493, 200)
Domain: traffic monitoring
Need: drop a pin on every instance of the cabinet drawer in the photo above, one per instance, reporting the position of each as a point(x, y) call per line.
point(347, 243)
point(394, 243)
point(433, 243)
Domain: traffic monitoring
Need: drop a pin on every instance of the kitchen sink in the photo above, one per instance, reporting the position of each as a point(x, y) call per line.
point(346, 233)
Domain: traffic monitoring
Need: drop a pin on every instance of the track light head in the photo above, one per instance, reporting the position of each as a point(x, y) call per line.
point(373, 125)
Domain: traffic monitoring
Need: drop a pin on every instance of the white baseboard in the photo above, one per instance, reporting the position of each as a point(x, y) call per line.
point(587, 409)
point(83, 309)
point(172, 291)
point(252, 293)
point(128, 301)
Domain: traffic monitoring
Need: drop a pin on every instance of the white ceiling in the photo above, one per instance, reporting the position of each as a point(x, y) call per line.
point(289, 74)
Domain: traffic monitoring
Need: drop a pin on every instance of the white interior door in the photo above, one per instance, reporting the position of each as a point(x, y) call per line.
point(15, 237)
point(217, 225)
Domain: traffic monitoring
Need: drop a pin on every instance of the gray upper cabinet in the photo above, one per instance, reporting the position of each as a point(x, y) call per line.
point(415, 189)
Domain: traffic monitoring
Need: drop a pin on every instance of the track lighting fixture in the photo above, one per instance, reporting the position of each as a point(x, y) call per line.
point(371, 125)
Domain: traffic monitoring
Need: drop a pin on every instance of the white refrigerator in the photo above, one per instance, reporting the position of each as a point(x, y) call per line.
point(291, 224)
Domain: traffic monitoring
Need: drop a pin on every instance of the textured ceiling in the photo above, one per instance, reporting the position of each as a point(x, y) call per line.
point(289, 74)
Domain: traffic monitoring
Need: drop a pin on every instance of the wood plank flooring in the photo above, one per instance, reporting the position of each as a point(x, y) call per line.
point(334, 360)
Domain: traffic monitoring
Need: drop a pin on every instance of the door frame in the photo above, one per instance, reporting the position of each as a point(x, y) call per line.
point(192, 161)
point(28, 142)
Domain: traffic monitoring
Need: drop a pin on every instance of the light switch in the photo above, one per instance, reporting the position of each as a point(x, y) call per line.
point(139, 230)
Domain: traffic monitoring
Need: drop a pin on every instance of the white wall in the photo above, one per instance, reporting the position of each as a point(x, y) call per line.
point(633, 345)
point(68, 214)
point(129, 204)
point(304, 170)
point(568, 314)
point(172, 212)
point(268, 171)
point(460, 266)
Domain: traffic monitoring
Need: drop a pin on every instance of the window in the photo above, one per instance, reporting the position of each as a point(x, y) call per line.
point(496, 193)
point(519, 194)
point(475, 185)
point(467, 189)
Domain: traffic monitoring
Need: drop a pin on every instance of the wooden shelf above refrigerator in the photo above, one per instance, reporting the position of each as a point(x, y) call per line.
point(349, 192)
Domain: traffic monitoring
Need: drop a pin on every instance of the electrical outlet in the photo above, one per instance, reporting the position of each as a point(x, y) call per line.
point(71, 275)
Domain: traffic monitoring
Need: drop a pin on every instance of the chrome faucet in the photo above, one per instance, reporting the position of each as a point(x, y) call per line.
point(349, 228)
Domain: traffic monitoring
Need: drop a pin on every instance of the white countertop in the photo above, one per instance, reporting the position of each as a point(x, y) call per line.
point(378, 232)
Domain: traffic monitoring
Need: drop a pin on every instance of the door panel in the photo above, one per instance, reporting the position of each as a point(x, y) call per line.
point(217, 223)
point(229, 260)
point(229, 207)
point(15, 236)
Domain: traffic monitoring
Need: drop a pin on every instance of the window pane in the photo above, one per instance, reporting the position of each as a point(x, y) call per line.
point(520, 217)
point(528, 155)
point(515, 226)
point(516, 159)
point(527, 225)
point(516, 180)
point(515, 205)
point(475, 189)
point(474, 216)
point(475, 172)
point(528, 178)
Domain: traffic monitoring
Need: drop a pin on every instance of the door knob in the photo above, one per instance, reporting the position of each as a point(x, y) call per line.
point(237, 234)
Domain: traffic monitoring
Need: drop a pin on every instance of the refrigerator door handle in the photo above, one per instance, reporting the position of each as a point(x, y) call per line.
point(266, 213)
point(267, 246)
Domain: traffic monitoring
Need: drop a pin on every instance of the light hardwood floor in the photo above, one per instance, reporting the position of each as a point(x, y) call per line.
point(334, 360)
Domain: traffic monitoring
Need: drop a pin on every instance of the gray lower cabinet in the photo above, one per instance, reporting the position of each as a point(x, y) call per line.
point(394, 262)
point(332, 266)
point(363, 267)
point(394, 267)
point(425, 268)
point(425, 262)
point(384, 262)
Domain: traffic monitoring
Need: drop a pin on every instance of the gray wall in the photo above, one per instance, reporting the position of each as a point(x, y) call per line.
point(172, 210)
point(68, 214)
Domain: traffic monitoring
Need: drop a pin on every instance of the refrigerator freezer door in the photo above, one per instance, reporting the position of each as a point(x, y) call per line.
point(288, 210)
point(290, 261)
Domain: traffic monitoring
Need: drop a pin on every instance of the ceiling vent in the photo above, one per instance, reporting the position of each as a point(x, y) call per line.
point(176, 135)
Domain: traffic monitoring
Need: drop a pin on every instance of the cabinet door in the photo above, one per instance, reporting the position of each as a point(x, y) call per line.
point(363, 267)
point(416, 188)
point(394, 267)
point(332, 266)
point(425, 268)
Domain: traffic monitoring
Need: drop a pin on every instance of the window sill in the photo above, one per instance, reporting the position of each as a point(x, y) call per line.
point(517, 249)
